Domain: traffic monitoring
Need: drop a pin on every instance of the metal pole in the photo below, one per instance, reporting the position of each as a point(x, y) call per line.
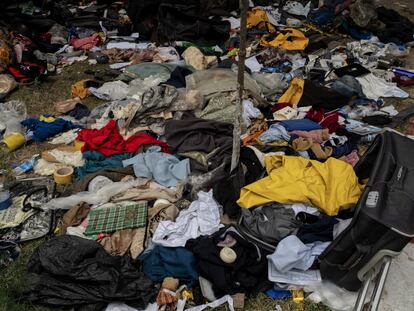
point(244, 4)
point(379, 286)
point(359, 305)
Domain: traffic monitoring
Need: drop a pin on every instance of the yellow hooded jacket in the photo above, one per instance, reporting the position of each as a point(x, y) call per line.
point(329, 186)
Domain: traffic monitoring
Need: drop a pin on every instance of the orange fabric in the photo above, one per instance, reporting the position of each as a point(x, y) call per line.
point(252, 138)
point(5, 55)
point(80, 90)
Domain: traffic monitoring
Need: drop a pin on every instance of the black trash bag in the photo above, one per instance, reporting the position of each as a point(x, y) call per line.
point(72, 271)
point(399, 29)
point(143, 15)
point(181, 22)
point(217, 7)
point(169, 20)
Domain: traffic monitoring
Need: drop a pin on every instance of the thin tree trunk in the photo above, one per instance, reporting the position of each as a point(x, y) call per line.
point(244, 4)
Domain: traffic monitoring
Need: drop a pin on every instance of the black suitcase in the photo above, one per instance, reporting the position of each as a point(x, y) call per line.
point(383, 221)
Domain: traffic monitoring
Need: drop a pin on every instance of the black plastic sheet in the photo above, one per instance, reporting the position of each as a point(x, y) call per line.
point(72, 271)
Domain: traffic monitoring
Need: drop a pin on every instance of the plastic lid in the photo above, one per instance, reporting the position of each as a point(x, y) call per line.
point(228, 255)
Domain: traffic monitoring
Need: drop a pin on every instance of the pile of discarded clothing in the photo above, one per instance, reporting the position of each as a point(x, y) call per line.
point(138, 196)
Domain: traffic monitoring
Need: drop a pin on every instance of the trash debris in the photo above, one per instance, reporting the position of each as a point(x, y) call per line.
point(201, 152)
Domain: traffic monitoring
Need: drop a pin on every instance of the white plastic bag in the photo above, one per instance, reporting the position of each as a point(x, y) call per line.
point(11, 114)
point(336, 298)
point(101, 196)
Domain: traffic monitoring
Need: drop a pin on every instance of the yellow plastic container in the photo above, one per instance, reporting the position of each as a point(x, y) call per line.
point(14, 141)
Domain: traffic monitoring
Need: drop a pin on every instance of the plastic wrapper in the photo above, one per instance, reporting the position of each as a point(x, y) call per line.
point(11, 114)
point(336, 298)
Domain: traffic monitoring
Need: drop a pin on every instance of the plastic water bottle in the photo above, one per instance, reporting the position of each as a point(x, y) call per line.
point(293, 74)
point(25, 166)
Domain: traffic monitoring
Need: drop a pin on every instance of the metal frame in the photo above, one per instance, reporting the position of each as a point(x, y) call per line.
point(380, 280)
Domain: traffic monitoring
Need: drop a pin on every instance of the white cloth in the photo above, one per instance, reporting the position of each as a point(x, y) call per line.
point(127, 45)
point(253, 64)
point(291, 253)
point(336, 140)
point(215, 304)
point(297, 8)
point(234, 22)
point(390, 110)
point(294, 277)
point(201, 218)
point(374, 88)
point(249, 112)
point(119, 65)
point(68, 158)
point(115, 90)
point(99, 182)
point(286, 113)
point(292, 259)
point(116, 306)
point(45, 168)
point(369, 51)
point(65, 138)
point(273, 14)
point(300, 207)
point(78, 231)
point(167, 54)
point(361, 128)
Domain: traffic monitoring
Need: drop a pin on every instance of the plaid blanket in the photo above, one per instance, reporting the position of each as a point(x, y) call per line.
point(124, 215)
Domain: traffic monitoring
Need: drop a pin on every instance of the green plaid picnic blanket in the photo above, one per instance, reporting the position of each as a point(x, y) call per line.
point(124, 215)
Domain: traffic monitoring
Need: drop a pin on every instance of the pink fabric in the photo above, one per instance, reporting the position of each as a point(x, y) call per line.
point(352, 158)
point(318, 136)
point(86, 43)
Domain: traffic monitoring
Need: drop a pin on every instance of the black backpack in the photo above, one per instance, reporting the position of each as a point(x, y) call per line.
point(383, 221)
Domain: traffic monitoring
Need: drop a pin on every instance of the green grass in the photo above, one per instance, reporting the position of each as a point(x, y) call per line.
point(263, 303)
point(14, 282)
point(40, 97)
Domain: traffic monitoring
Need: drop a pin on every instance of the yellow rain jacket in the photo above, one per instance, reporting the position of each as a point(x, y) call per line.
point(329, 186)
point(294, 93)
point(291, 39)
